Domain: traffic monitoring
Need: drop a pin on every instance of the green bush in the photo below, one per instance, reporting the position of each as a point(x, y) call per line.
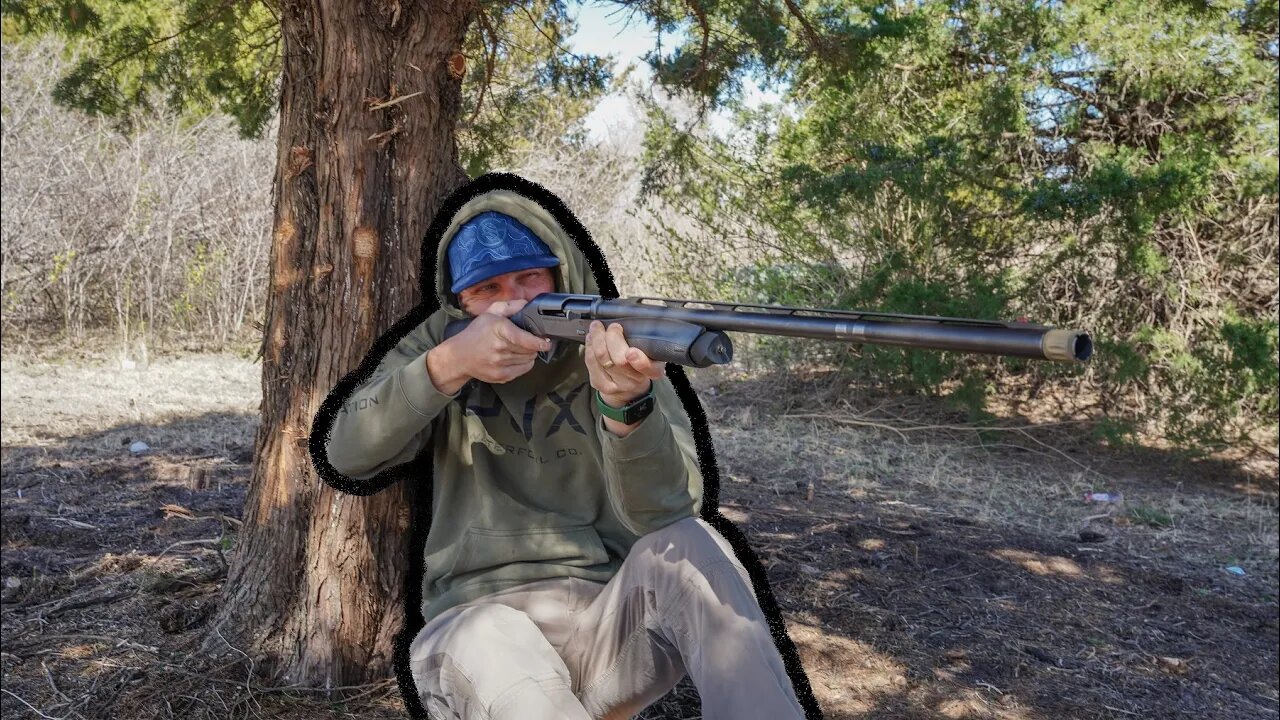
point(1102, 165)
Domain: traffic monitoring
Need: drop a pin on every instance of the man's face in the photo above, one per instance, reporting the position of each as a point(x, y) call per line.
point(519, 285)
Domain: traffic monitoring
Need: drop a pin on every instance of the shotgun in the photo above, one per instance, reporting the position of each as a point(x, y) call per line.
point(694, 332)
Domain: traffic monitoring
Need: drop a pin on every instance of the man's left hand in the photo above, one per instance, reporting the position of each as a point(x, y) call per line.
point(620, 372)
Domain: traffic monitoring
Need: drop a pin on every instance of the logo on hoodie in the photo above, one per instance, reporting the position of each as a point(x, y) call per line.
point(564, 412)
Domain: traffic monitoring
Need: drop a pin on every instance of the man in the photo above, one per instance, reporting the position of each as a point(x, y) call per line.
point(567, 574)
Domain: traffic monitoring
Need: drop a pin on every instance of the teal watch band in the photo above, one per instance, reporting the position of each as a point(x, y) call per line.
point(632, 413)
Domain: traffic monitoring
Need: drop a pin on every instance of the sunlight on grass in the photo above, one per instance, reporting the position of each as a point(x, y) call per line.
point(1056, 566)
point(1038, 564)
point(43, 400)
point(971, 705)
point(79, 652)
point(850, 676)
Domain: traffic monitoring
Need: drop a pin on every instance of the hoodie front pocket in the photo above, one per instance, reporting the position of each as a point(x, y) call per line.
point(484, 548)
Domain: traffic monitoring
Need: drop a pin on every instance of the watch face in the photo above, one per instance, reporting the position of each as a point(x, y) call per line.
point(639, 411)
point(631, 414)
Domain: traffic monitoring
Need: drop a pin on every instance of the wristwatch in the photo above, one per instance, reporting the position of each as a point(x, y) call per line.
point(630, 414)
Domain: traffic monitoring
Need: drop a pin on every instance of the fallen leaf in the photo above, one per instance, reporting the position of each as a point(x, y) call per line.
point(171, 510)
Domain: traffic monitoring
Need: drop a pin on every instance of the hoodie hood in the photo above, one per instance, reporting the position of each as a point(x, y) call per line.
point(565, 367)
point(573, 274)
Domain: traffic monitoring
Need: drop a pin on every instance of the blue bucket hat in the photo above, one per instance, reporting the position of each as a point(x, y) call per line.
point(491, 244)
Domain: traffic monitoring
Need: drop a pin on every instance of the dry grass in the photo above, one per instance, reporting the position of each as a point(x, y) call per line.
point(1028, 475)
point(925, 570)
point(57, 401)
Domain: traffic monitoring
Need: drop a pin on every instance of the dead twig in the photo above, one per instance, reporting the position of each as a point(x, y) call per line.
point(33, 708)
point(62, 605)
point(182, 543)
point(68, 521)
point(850, 421)
point(115, 641)
point(841, 420)
point(901, 431)
point(386, 135)
point(394, 101)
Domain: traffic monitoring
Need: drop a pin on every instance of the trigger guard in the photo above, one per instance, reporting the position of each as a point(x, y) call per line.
point(547, 356)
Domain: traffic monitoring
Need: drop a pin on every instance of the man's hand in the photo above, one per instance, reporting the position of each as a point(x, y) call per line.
point(620, 372)
point(491, 349)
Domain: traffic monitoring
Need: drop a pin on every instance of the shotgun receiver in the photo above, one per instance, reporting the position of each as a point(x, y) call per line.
point(693, 332)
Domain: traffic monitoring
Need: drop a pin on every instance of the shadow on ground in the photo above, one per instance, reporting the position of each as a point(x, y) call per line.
point(111, 562)
point(901, 612)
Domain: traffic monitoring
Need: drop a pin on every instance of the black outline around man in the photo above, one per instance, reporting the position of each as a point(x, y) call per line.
point(576, 565)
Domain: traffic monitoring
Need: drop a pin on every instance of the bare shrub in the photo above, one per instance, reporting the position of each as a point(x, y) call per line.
point(162, 230)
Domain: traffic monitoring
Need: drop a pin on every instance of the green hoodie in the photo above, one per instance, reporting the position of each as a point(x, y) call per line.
point(528, 483)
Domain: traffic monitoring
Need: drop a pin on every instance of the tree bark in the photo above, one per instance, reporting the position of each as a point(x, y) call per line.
point(315, 590)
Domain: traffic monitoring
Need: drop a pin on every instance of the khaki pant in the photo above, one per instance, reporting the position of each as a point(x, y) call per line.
point(569, 649)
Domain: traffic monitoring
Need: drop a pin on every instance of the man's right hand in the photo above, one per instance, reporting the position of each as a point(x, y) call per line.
point(491, 349)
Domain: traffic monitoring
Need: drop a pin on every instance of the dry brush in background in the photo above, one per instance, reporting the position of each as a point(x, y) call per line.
point(157, 231)
point(161, 230)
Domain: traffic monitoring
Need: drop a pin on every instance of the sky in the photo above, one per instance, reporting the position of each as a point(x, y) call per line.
point(604, 29)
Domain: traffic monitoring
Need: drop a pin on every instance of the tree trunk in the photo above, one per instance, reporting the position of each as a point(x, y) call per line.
point(315, 590)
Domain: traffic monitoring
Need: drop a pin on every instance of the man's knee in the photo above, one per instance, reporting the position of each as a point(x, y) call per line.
point(480, 632)
point(483, 655)
point(690, 541)
point(484, 639)
point(699, 585)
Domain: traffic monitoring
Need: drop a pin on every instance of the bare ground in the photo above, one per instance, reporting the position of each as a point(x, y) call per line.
point(925, 569)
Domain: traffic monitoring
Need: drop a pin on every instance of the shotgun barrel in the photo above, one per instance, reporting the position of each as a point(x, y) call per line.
point(693, 332)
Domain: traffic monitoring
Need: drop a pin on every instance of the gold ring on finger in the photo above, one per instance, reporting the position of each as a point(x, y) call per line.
point(608, 365)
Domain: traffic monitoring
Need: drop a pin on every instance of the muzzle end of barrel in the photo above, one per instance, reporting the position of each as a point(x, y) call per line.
point(1067, 345)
